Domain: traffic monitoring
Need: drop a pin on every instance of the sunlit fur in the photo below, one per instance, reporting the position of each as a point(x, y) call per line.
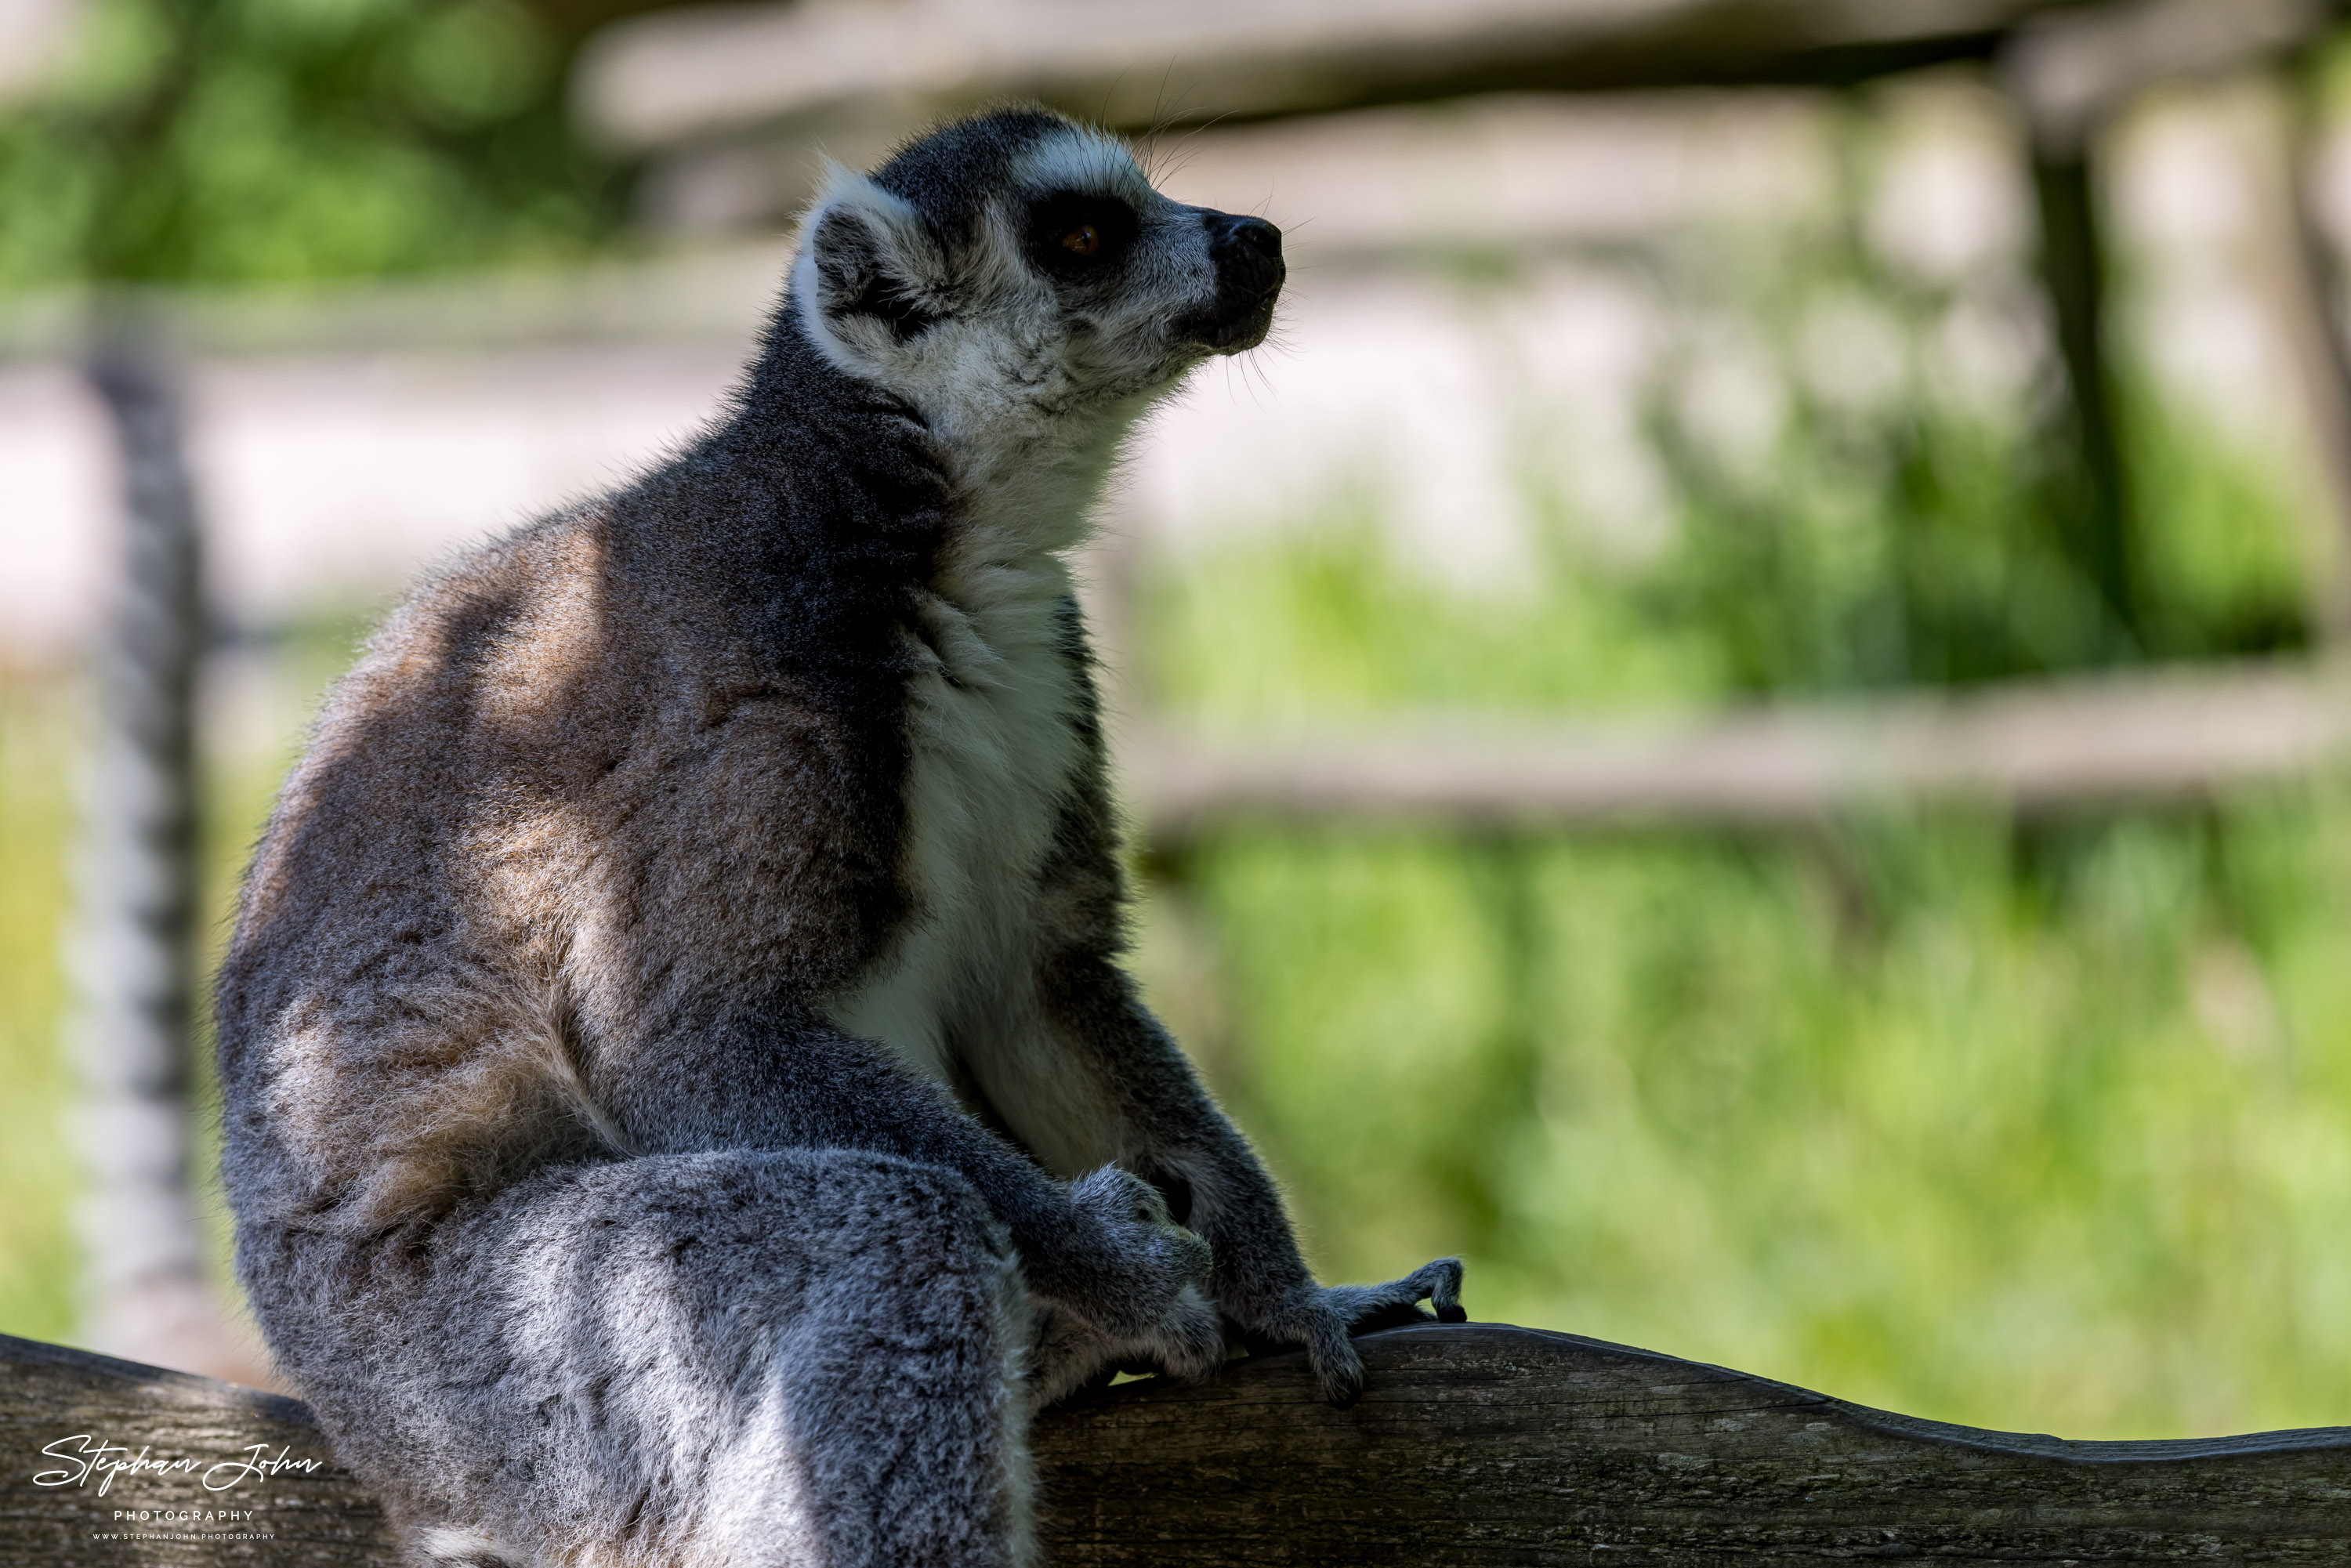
point(682, 1102)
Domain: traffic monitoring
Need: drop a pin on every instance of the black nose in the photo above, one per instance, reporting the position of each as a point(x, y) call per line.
point(1247, 257)
point(1248, 234)
point(1248, 254)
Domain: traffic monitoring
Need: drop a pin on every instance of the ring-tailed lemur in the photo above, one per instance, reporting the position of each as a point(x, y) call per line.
point(683, 1103)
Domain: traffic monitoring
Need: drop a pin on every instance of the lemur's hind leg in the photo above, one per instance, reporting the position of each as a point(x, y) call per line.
point(809, 1358)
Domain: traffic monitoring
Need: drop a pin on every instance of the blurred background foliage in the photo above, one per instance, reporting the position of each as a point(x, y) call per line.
point(2022, 1123)
point(2041, 1125)
point(37, 1174)
point(242, 141)
point(2038, 1124)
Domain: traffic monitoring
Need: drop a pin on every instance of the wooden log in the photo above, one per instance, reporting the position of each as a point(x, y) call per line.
point(1493, 1445)
point(1475, 1445)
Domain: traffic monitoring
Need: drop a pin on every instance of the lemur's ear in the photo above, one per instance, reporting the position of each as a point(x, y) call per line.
point(868, 265)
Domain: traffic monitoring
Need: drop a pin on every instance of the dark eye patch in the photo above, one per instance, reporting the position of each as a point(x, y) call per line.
point(1074, 236)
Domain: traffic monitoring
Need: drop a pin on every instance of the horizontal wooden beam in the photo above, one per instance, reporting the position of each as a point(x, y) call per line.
point(1473, 1445)
point(717, 295)
point(2028, 747)
point(718, 70)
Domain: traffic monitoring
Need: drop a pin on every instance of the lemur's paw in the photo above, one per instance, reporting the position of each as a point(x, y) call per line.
point(1337, 1368)
point(1370, 1308)
point(1306, 1320)
point(1322, 1318)
point(1134, 1262)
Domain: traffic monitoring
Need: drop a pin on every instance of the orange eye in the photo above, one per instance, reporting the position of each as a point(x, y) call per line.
point(1083, 239)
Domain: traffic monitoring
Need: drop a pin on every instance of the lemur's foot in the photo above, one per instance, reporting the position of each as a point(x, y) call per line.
point(1186, 1344)
point(1323, 1318)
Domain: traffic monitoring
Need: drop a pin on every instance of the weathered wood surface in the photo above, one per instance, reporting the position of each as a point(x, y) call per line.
point(1477, 1444)
point(1495, 1445)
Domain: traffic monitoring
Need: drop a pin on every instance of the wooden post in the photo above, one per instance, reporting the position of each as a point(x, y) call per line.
point(2072, 269)
point(2296, 276)
point(2072, 261)
point(2070, 71)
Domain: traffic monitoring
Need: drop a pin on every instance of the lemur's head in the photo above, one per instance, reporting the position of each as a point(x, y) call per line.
point(1015, 267)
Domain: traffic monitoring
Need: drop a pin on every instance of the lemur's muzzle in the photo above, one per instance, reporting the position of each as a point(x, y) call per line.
point(1247, 255)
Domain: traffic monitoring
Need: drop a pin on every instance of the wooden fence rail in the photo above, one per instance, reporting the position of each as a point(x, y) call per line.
point(709, 70)
point(1477, 1445)
point(2031, 746)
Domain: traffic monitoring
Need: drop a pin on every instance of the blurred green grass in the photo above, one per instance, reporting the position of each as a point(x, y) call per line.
point(37, 1257)
point(2064, 1152)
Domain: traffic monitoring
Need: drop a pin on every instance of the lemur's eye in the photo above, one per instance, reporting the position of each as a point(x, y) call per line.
point(1080, 237)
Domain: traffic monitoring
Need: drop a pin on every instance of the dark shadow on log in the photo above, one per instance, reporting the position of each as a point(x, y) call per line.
point(1481, 1444)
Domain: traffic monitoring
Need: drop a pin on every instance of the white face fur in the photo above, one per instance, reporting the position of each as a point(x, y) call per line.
point(1031, 325)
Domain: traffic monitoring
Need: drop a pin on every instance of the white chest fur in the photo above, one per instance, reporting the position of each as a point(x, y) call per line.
point(994, 752)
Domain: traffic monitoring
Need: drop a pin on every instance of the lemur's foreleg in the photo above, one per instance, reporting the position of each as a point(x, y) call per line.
point(1102, 1247)
point(1175, 1136)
